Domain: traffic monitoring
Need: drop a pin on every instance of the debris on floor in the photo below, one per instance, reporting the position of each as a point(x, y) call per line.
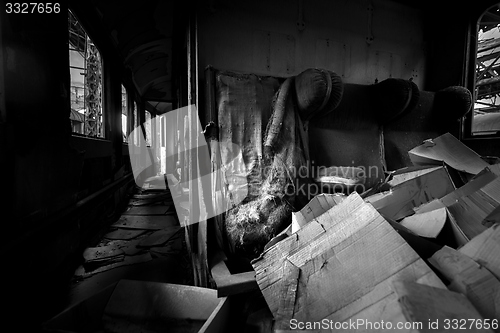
point(159, 237)
point(448, 149)
point(145, 306)
point(145, 222)
point(432, 308)
point(468, 277)
point(338, 266)
point(421, 247)
point(400, 200)
point(124, 234)
point(101, 256)
point(148, 229)
point(86, 272)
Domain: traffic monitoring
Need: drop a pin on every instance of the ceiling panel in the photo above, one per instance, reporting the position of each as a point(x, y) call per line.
point(142, 33)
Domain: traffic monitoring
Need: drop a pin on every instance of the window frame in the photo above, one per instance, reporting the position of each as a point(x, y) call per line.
point(128, 115)
point(470, 72)
point(104, 117)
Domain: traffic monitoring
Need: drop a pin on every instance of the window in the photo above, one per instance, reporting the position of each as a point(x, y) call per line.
point(124, 114)
point(147, 127)
point(85, 66)
point(136, 124)
point(486, 113)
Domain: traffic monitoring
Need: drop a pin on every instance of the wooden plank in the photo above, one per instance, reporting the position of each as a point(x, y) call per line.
point(172, 247)
point(145, 222)
point(102, 252)
point(426, 304)
point(466, 276)
point(484, 249)
point(149, 210)
point(129, 260)
point(130, 247)
point(94, 264)
point(127, 246)
point(159, 237)
point(135, 203)
point(124, 234)
point(152, 196)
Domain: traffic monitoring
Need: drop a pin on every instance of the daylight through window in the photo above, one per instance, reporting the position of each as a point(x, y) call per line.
point(124, 114)
point(85, 65)
point(486, 116)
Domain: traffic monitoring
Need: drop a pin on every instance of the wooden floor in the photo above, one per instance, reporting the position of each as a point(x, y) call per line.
point(146, 243)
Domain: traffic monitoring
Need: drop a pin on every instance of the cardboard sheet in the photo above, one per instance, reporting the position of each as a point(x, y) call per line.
point(448, 149)
point(145, 222)
point(339, 266)
point(428, 224)
point(484, 249)
point(469, 206)
point(468, 277)
point(316, 207)
point(102, 252)
point(400, 201)
point(427, 304)
point(124, 234)
point(159, 237)
point(405, 174)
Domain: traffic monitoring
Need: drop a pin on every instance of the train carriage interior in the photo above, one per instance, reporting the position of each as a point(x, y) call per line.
point(254, 166)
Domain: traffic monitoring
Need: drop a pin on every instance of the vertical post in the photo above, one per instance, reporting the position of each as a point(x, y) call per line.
point(197, 232)
point(191, 229)
point(3, 111)
point(201, 194)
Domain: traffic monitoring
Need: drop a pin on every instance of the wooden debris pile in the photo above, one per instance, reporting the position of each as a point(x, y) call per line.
point(425, 251)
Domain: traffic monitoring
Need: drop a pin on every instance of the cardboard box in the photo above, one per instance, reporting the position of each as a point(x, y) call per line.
point(448, 149)
point(468, 277)
point(427, 224)
point(436, 309)
point(484, 249)
point(315, 208)
point(400, 201)
point(339, 266)
point(470, 205)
